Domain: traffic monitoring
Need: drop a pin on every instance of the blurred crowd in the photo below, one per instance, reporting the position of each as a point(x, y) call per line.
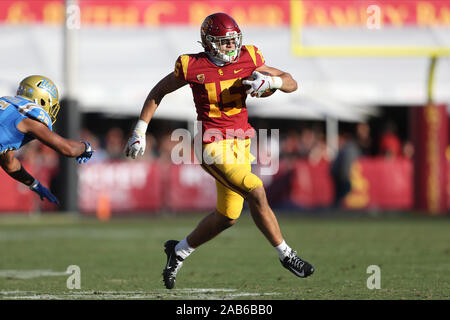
point(306, 142)
point(311, 143)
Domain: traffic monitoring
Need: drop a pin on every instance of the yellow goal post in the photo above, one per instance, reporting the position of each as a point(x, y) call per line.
point(299, 49)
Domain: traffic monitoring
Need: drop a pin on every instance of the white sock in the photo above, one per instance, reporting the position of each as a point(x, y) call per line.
point(183, 250)
point(283, 250)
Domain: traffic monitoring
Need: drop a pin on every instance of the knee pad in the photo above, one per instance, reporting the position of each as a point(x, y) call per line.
point(251, 182)
point(247, 180)
point(232, 211)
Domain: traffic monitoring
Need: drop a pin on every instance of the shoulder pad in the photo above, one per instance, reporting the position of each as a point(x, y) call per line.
point(33, 111)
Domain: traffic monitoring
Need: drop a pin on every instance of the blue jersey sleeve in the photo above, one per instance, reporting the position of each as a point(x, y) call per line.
point(30, 110)
point(40, 115)
point(12, 111)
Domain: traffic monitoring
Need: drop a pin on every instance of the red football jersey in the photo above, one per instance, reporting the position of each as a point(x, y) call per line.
point(219, 94)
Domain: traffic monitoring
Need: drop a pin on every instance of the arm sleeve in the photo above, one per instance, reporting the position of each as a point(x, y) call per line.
point(40, 115)
point(257, 57)
point(181, 67)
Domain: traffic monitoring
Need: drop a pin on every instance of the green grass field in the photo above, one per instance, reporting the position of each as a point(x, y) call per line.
point(123, 258)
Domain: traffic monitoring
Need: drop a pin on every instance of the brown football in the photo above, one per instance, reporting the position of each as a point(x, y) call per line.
point(268, 92)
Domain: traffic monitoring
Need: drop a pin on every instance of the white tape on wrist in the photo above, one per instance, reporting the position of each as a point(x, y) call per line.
point(141, 127)
point(276, 83)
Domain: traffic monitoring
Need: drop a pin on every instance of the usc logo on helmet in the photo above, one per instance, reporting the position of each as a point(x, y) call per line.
point(207, 24)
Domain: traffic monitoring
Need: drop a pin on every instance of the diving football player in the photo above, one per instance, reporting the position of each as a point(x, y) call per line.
point(30, 115)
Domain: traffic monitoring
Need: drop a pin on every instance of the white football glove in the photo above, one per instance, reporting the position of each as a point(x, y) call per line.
point(136, 144)
point(262, 83)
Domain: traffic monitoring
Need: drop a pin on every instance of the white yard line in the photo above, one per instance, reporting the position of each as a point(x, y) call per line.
point(71, 233)
point(29, 274)
point(182, 294)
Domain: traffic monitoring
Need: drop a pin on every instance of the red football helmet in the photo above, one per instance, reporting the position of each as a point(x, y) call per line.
point(216, 29)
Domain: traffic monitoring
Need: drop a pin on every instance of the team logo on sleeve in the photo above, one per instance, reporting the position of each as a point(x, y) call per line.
point(201, 78)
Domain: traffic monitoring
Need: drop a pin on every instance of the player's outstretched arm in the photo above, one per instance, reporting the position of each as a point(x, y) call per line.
point(69, 148)
point(14, 169)
point(136, 144)
point(165, 86)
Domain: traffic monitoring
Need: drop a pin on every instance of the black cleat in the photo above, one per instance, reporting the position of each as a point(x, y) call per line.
point(297, 266)
point(173, 264)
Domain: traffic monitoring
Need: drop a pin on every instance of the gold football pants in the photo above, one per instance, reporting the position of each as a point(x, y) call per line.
point(229, 162)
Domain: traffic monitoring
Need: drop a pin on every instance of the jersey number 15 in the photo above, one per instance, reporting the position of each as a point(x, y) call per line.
point(215, 107)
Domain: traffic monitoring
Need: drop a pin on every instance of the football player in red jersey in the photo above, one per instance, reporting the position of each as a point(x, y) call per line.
point(217, 78)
